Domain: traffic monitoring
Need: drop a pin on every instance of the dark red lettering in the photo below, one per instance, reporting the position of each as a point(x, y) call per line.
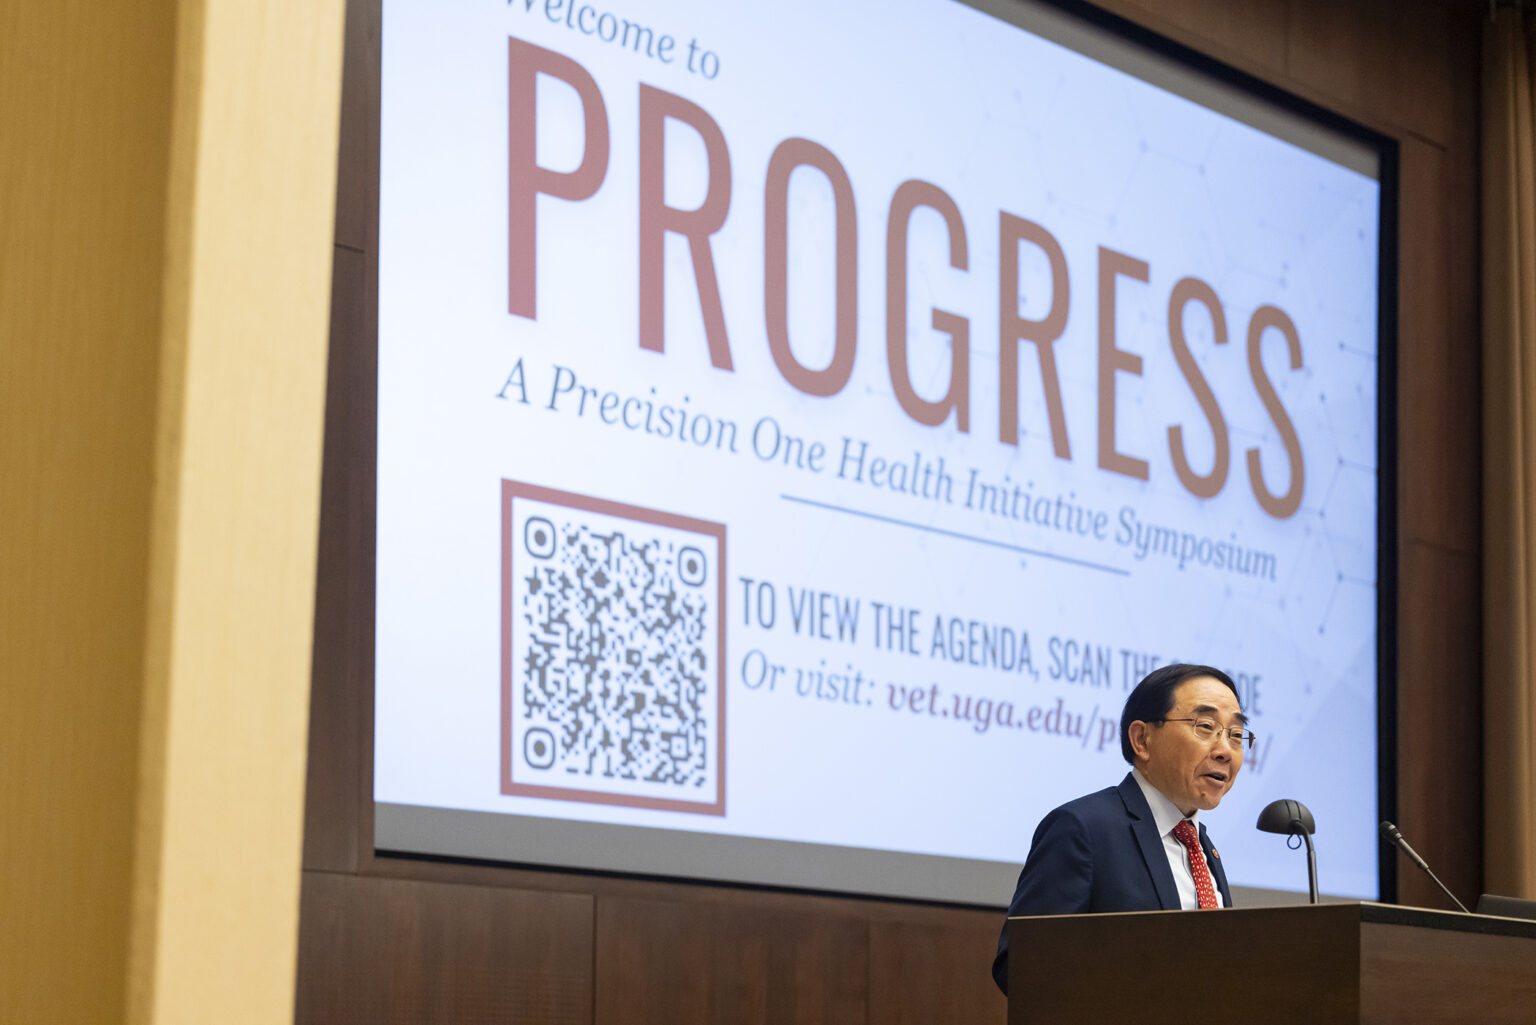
point(1186, 291)
point(1285, 505)
point(1113, 360)
point(525, 178)
point(909, 196)
point(788, 155)
point(1013, 328)
point(657, 219)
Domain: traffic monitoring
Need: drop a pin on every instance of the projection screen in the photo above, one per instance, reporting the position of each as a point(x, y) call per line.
point(799, 425)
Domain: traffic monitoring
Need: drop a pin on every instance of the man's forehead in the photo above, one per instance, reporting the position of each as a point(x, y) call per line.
point(1206, 695)
point(1217, 713)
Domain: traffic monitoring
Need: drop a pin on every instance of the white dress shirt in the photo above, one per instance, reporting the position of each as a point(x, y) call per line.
point(1166, 815)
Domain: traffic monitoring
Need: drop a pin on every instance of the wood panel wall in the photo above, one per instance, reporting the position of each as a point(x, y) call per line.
point(388, 940)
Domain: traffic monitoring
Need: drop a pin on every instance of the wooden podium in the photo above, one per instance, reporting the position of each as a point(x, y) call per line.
point(1325, 964)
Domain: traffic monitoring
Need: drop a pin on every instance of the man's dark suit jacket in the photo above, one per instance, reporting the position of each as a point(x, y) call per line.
point(1098, 853)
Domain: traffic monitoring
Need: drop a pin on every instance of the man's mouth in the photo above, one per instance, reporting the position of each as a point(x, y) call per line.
point(1219, 777)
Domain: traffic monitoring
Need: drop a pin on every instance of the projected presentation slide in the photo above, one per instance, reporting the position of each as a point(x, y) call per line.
point(800, 425)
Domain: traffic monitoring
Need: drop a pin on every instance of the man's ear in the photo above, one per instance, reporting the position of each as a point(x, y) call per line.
point(1137, 733)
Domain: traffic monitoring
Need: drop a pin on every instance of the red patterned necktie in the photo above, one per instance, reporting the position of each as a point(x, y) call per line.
point(1205, 889)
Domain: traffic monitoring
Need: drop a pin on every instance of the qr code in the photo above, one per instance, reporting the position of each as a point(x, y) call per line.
point(612, 635)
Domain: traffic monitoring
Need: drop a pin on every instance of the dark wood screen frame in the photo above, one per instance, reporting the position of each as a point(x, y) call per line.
point(366, 919)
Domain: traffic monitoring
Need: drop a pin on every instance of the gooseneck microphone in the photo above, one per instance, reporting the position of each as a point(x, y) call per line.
point(1394, 836)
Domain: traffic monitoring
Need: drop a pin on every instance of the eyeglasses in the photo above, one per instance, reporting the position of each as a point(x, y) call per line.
point(1209, 729)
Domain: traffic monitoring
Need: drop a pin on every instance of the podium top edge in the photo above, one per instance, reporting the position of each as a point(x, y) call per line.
point(1364, 911)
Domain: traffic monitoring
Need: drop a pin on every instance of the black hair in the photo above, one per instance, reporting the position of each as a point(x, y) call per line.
point(1153, 697)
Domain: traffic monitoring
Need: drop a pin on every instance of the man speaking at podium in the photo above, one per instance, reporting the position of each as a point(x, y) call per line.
point(1139, 846)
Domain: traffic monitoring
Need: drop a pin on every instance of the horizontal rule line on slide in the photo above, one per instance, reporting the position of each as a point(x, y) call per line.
point(956, 534)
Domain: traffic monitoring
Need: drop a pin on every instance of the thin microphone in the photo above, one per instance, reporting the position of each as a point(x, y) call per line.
point(1394, 836)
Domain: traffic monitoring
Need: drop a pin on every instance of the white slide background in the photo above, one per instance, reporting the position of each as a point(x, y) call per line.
point(929, 752)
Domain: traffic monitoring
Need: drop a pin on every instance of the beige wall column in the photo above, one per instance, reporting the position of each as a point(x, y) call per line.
point(166, 186)
point(1509, 442)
